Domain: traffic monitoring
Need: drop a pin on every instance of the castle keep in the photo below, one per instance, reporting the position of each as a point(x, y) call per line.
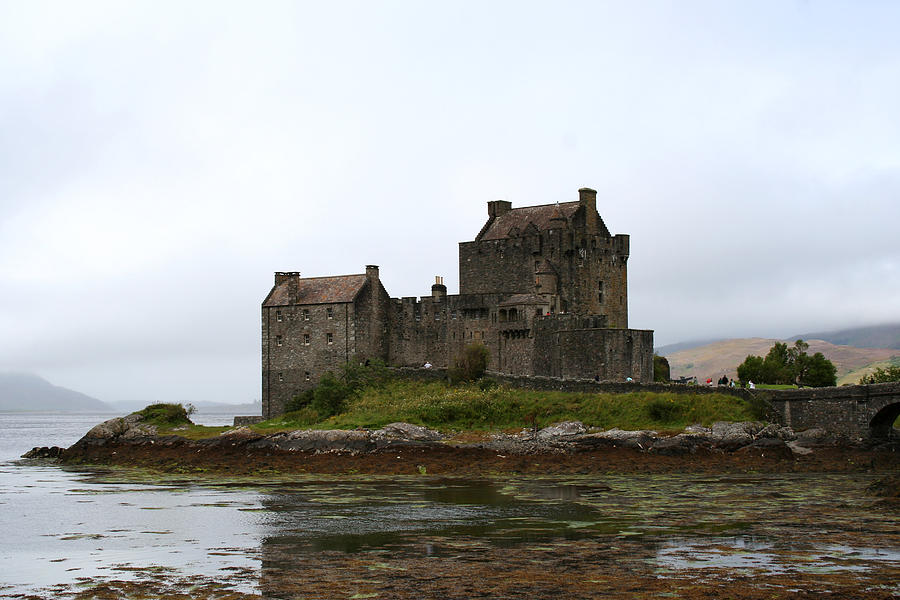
point(544, 288)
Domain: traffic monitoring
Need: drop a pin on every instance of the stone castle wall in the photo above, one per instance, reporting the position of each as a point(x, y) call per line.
point(296, 350)
point(549, 298)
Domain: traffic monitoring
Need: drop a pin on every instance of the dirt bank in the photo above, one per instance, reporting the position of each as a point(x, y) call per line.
point(440, 458)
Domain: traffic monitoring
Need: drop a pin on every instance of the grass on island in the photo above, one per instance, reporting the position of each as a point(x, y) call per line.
point(480, 407)
point(485, 407)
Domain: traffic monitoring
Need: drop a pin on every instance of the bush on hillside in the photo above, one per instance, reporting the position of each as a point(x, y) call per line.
point(329, 396)
point(167, 415)
point(471, 364)
point(661, 370)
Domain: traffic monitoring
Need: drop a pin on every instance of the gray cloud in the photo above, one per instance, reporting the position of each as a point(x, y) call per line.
point(159, 161)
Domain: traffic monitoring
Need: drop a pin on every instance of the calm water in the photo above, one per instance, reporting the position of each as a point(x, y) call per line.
point(63, 525)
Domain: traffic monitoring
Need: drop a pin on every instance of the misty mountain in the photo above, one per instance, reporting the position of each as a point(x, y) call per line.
point(247, 408)
point(876, 336)
point(677, 347)
point(28, 392)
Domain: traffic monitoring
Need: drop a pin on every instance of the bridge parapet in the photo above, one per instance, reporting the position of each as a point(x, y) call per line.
point(857, 411)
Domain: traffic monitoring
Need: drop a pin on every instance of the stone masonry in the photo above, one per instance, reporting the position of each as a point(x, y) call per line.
point(544, 288)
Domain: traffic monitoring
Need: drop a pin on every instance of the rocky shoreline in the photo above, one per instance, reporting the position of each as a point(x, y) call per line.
point(402, 448)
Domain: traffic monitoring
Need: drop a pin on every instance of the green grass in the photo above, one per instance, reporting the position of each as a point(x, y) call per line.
point(175, 419)
point(775, 386)
point(470, 408)
point(165, 415)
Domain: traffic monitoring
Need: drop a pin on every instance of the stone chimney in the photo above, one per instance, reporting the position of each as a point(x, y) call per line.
point(588, 199)
point(438, 290)
point(498, 207)
point(372, 272)
point(282, 276)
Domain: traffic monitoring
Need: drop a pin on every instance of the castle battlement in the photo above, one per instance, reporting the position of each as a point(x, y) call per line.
point(544, 288)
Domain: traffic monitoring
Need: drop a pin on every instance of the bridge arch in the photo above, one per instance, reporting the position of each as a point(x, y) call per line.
point(882, 424)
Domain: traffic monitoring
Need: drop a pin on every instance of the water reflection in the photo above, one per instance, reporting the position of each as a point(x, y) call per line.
point(329, 532)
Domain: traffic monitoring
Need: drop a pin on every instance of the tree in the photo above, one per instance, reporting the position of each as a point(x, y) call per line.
point(471, 364)
point(751, 369)
point(882, 375)
point(776, 365)
point(784, 364)
point(661, 371)
point(819, 371)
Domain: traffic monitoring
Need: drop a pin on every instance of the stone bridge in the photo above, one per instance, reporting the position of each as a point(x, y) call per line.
point(856, 411)
point(859, 411)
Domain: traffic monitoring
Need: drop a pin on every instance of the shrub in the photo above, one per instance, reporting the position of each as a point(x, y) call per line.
point(328, 397)
point(661, 370)
point(166, 415)
point(357, 374)
point(471, 364)
point(298, 401)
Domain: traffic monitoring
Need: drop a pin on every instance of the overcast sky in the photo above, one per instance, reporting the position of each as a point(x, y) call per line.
point(160, 160)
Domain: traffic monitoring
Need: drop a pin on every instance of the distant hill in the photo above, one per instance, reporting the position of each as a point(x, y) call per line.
point(671, 348)
point(248, 408)
point(876, 336)
point(27, 392)
point(723, 357)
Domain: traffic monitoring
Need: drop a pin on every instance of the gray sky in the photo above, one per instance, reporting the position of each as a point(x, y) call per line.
point(159, 160)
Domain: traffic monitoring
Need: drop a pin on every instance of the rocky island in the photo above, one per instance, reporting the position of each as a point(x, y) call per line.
point(403, 448)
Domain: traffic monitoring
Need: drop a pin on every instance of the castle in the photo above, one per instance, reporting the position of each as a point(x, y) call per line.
point(544, 288)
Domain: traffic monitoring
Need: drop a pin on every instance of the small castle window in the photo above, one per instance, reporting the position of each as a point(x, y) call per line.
point(307, 375)
point(279, 340)
point(329, 337)
point(278, 316)
point(437, 316)
point(306, 339)
point(329, 313)
point(281, 378)
point(306, 314)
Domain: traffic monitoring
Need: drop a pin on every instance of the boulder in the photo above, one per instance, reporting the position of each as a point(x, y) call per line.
point(816, 434)
point(797, 449)
point(128, 428)
point(680, 444)
point(697, 428)
point(778, 432)
point(566, 429)
point(44, 452)
point(409, 432)
point(618, 438)
point(730, 436)
point(326, 440)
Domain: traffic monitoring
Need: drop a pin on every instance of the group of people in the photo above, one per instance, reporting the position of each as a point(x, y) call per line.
point(723, 381)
